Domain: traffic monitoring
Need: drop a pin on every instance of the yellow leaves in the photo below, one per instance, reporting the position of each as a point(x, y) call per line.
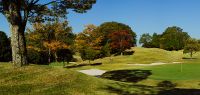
point(34, 48)
point(55, 45)
point(88, 38)
point(50, 35)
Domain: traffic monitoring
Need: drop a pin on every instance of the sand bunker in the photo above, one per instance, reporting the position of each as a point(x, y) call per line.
point(157, 63)
point(93, 72)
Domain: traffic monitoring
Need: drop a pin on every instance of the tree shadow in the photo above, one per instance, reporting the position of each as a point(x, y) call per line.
point(122, 88)
point(179, 91)
point(127, 75)
point(189, 58)
point(131, 89)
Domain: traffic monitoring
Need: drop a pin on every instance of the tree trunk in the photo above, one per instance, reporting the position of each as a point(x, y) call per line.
point(56, 56)
point(49, 59)
point(19, 57)
point(191, 53)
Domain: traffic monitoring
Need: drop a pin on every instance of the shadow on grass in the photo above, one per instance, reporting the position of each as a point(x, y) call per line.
point(122, 88)
point(127, 75)
point(189, 58)
point(178, 91)
point(131, 89)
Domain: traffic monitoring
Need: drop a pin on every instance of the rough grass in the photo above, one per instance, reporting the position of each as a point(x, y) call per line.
point(55, 80)
point(46, 80)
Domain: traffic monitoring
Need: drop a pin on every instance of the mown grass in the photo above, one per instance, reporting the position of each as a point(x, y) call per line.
point(141, 56)
point(56, 80)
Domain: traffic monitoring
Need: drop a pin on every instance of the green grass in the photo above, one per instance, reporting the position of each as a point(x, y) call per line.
point(190, 71)
point(141, 56)
point(46, 80)
point(56, 80)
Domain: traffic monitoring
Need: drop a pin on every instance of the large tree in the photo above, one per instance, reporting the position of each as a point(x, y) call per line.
point(173, 38)
point(120, 41)
point(108, 27)
point(18, 12)
point(108, 30)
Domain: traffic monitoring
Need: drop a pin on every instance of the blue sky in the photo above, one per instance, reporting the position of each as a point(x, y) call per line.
point(143, 16)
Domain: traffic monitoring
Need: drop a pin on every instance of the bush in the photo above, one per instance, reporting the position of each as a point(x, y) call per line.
point(166, 84)
point(65, 55)
point(5, 48)
point(130, 52)
point(36, 57)
point(89, 54)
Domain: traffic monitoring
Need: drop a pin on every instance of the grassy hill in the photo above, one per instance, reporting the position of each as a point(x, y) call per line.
point(125, 77)
point(141, 56)
point(146, 56)
point(38, 80)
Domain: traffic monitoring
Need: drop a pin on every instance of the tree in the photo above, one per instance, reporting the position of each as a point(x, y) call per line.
point(192, 46)
point(5, 49)
point(89, 38)
point(88, 43)
point(50, 37)
point(155, 43)
point(120, 41)
point(106, 29)
point(146, 40)
point(88, 53)
point(173, 38)
point(18, 12)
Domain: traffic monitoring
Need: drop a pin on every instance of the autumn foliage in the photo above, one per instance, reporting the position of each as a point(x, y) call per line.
point(49, 38)
point(120, 40)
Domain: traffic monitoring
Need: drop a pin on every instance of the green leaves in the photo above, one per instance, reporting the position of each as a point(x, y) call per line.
point(192, 46)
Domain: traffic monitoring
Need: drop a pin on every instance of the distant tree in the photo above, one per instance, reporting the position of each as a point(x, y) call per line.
point(105, 50)
point(88, 53)
point(88, 38)
point(88, 43)
point(5, 49)
point(173, 38)
point(120, 41)
point(155, 43)
point(18, 12)
point(192, 46)
point(146, 40)
point(108, 31)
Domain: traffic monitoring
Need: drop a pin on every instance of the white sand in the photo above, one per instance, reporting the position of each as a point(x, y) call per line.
point(93, 72)
point(153, 64)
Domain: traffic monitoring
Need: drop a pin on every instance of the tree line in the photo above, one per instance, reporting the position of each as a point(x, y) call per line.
point(19, 12)
point(55, 41)
point(173, 38)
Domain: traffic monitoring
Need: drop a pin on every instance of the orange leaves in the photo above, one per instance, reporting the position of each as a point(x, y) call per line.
point(88, 38)
point(54, 45)
point(52, 35)
point(121, 40)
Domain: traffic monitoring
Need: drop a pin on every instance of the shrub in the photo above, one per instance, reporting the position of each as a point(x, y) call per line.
point(166, 84)
point(130, 52)
point(65, 55)
point(36, 57)
point(5, 48)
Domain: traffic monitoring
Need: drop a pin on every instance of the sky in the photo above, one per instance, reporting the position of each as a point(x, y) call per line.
point(143, 16)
